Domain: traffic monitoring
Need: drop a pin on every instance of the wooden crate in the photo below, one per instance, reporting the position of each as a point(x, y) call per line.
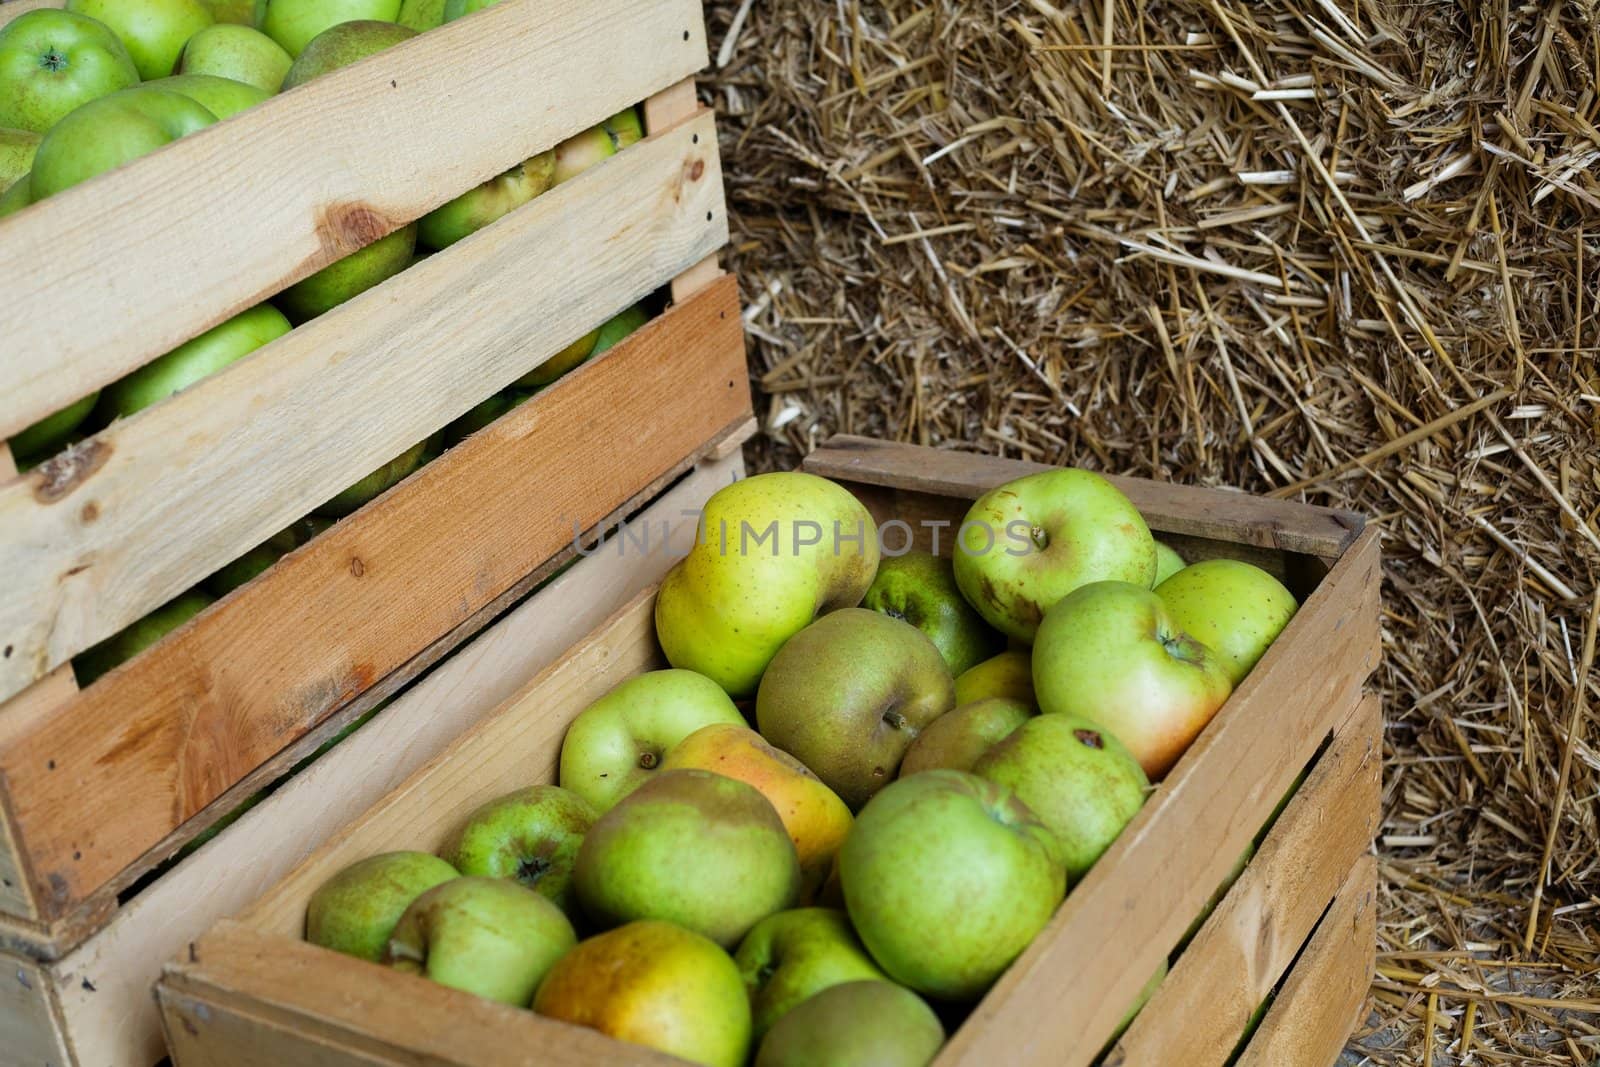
point(1296, 927)
point(101, 787)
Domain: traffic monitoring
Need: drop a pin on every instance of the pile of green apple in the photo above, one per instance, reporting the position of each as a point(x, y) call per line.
point(826, 829)
point(88, 88)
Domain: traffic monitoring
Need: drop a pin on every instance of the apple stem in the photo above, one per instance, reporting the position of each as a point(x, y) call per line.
point(1040, 538)
point(53, 61)
point(648, 760)
point(895, 720)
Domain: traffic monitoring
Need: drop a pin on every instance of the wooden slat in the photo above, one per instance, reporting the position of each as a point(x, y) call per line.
point(30, 1031)
point(516, 746)
point(1065, 995)
point(247, 999)
point(103, 987)
point(44, 698)
point(108, 275)
point(664, 109)
point(1318, 1007)
point(1248, 943)
point(1215, 514)
point(153, 743)
point(89, 543)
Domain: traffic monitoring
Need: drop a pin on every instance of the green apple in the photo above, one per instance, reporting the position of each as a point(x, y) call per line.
point(293, 23)
point(479, 206)
point(487, 936)
point(1234, 608)
point(454, 9)
point(349, 277)
point(375, 484)
point(421, 15)
point(154, 31)
point(1028, 543)
point(17, 149)
point(581, 151)
point(241, 53)
point(795, 954)
point(133, 639)
point(530, 836)
point(15, 198)
point(356, 910)
point(774, 552)
point(52, 62)
point(856, 1023)
point(624, 128)
point(1112, 653)
point(657, 985)
point(343, 44)
point(1007, 674)
point(106, 133)
point(955, 740)
point(253, 563)
point(618, 327)
point(193, 360)
point(690, 847)
point(560, 363)
point(947, 878)
point(49, 434)
point(1077, 778)
point(1168, 563)
point(236, 12)
point(617, 743)
point(921, 589)
point(848, 695)
point(223, 97)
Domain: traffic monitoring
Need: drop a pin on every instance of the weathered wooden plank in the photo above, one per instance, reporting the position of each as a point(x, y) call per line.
point(152, 744)
point(108, 275)
point(1064, 997)
point(103, 986)
point(30, 1031)
point(1253, 936)
point(1313, 1015)
point(88, 541)
point(1214, 514)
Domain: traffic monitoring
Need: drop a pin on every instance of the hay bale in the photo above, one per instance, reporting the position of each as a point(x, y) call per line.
point(1345, 252)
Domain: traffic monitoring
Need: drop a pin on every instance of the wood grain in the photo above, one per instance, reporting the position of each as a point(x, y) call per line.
point(1064, 997)
point(29, 1032)
point(149, 746)
point(248, 999)
point(1318, 1006)
point(103, 986)
point(39, 701)
point(110, 274)
point(1214, 514)
point(664, 109)
point(88, 538)
point(1253, 936)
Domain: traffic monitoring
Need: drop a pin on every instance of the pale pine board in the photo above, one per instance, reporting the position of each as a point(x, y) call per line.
point(1253, 936)
point(108, 275)
point(137, 755)
point(88, 542)
point(28, 1032)
point(116, 1022)
point(1064, 997)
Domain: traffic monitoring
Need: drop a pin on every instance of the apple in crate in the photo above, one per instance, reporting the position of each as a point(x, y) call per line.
point(134, 638)
point(776, 551)
point(793, 955)
point(1234, 608)
point(957, 739)
point(1008, 675)
point(50, 433)
point(876, 1023)
point(154, 31)
point(339, 46)
point(813, 815)
point(293, 23)
point(530, 836)
point(947, 878)
point(1025, 545)
point(693, 848)
point(920, 588)
point(1112, 653)
point(848, 695)
point(1168, 562)
point(193, 360)
point(106, 133)
point(483, 204)
point(618, 743)
point(53, 62)
point(241, 53)
point(17, 149)
point(356, 910)
point(657, 985)
point(488, 936)
point(1076, 777)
